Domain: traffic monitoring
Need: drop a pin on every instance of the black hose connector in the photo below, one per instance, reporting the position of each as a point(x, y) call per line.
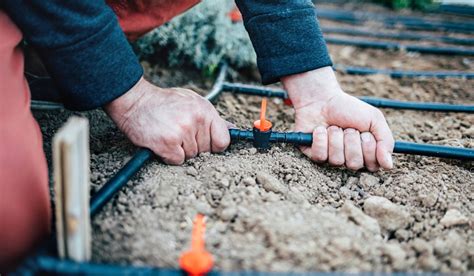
point(261, 139)
point(306, 139)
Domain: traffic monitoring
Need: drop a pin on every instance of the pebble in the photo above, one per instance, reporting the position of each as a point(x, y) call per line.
point(249, 181)
point(390, 216)
point(252, 151)
point(192, 171)
point(368, 181)
point(453, 217)
point(271, 183)
point(360, 218)
point(228, 213)
point(224, 182)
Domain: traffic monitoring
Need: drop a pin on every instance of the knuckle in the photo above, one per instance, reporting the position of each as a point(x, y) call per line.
point(172, 139)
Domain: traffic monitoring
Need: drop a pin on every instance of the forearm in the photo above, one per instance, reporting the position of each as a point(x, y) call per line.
point(286, 37)
point(82, 46)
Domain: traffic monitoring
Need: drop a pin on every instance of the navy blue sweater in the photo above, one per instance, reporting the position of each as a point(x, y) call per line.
point(91, 62)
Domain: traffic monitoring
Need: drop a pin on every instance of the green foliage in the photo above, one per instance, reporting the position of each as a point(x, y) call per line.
point(412, 4)
point(201, 37)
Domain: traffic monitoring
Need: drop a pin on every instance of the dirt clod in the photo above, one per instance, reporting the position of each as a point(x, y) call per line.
point(390, 216)
point(271, 183)
point(454, 217)
point(358, 216)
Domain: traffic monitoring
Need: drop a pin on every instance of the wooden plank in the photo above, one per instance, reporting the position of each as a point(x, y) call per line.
point(71, 160)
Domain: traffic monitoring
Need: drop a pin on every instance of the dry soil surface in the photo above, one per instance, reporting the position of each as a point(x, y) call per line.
point(278, 211)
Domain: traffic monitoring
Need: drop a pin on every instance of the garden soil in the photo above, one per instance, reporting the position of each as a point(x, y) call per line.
point(278, 211)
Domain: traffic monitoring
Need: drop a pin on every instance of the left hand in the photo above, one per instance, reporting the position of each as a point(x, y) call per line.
point(346, 131)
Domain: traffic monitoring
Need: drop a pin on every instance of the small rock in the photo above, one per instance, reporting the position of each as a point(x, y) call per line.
point(368, 181)
point(360, 218)
point(396, 255)
point(192, 171)
point(228, 213)
point(249, 181)
point(224, 182)
point(271, 184)
point(252, 151)
point(453, 217)
point(389, 215)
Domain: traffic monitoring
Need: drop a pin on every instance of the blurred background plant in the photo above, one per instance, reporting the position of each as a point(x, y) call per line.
point(201, 37)
point(412, 4)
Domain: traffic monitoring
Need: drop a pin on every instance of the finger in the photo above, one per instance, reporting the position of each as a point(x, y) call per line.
point(319, 149)
point(335, 146)
point(220, 138)
point(172, 155)
point(385, 142)
point(369, 150)
point(203, 138)
point(190, 146)
point(353, 149)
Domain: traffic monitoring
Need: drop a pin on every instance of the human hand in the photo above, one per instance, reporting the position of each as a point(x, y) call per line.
point(175, 123)
point(345, 129)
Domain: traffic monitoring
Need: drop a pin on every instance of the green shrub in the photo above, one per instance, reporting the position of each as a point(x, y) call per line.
point(201, 37)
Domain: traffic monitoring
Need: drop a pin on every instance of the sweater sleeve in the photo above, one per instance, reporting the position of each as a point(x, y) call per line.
point(286, 37)
point(82, 46)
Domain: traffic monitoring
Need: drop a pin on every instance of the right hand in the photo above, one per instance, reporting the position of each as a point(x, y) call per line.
point(175, 123)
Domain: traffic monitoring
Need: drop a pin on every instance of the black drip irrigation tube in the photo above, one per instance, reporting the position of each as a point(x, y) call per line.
point(385, 45)
point(398, 74)
point(44, 263)
point(306, 139)
point(398, 35)
point(377, 102)
point(395, 21)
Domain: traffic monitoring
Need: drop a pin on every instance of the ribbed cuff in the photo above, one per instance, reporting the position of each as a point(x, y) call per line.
point(287, 43)
point(95, 71)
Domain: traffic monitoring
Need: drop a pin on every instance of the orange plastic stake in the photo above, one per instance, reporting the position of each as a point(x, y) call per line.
point(235, 15)
point(197, 261)
point(263, 124)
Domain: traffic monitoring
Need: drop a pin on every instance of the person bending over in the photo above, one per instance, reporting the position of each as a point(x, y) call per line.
point(84, 46)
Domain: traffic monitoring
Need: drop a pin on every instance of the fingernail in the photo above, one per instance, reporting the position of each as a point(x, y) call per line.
point(365, 136)
point(389, 160)
point(349, 130)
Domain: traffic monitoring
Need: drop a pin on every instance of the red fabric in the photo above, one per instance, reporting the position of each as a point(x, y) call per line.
point(24, 192)
point(137, 17)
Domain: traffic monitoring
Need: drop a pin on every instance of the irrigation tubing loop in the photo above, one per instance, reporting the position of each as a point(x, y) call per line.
point(377, 102)
point(397, 35)
point(385, 45)
point(50, 264)
point(413, 23)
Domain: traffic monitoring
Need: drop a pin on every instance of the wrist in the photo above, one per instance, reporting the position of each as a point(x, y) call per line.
point(120, 107)
point(318, 85)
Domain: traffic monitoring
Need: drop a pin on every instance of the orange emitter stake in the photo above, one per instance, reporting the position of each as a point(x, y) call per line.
point(197, 261)
point(262, 129)
point(266, 125)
